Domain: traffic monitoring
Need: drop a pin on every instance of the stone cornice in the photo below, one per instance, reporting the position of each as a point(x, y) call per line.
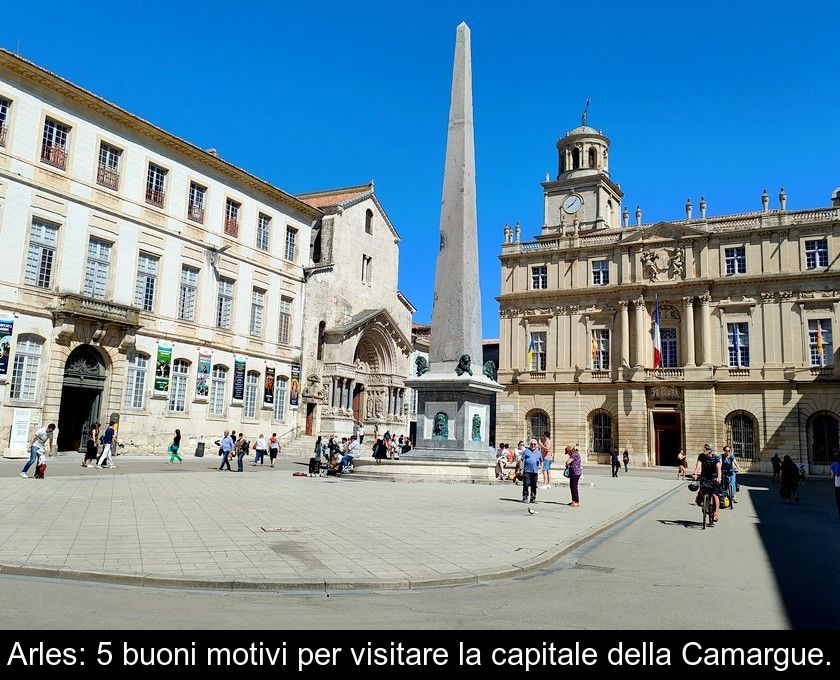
point(53, 83)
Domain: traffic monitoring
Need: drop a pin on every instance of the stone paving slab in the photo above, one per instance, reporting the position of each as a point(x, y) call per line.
point(205, 529)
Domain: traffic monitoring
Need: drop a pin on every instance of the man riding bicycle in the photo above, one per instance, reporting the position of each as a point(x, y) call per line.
point(708, 467)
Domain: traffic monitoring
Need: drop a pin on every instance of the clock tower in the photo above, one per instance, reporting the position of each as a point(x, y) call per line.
point(583, 190)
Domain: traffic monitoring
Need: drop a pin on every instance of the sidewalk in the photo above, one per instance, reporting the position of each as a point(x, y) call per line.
point(196, 528)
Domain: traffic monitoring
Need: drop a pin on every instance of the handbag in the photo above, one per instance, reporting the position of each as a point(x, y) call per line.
point(567, 472)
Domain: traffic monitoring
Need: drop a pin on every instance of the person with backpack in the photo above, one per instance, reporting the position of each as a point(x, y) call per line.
point(107, 443)
point(260, 447)
point(173, 448)
point(273, 448)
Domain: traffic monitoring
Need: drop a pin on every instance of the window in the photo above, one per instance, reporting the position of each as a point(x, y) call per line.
point(538, 422)
point(593, 157)
point(819, 342)
point(322, 327)
point(186, 298)
point(601, 433)
point(668, 339)
point(224, 303)
point(135, 384)
point(736, 260)
point(600, 350)
point(257, 302)
point(178, 388)
point(816, 253)
point(285, 329)
point(537, 352)
point(195, 207)
point(39, 259)
point(25, 368)
point(108, 173)
point(742, 436)
point(280, 398)
point(218, 380)
point(539, 278)
point(54, 148)
point(5, 104)
point(155, 185)
point(575, 158)
point(144, 291)
point(824, 438)
point(263, 230)
point(291, 240)
point(600, 272)
point(369, 221)
point(739, 344)
point(232, 217)
point(249, 406)
point(96, 273)
point(366, 267)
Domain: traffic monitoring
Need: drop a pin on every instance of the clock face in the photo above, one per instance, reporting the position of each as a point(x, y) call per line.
point(572, 204)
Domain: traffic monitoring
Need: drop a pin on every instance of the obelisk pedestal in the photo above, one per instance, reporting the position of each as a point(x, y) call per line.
point(453, 404)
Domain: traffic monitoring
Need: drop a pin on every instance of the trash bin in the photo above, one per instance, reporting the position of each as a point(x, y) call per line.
point(199, 450)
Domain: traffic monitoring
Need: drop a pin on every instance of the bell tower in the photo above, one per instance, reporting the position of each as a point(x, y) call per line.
point(583, 192)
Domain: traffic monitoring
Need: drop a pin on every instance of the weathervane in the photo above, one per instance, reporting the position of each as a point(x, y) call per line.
point(585, 112)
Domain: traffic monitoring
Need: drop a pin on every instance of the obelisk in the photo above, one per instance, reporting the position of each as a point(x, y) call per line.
point(454, 397)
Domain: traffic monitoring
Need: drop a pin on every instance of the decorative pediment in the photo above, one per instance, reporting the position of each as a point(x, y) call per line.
point(663, 231)
point(358, 324)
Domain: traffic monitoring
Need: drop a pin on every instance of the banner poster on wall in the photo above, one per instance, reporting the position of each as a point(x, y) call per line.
point(6, 326)
point(294, 387)
point(238, 379)
point(162, 367)
point(268, 393)
point(202, 376)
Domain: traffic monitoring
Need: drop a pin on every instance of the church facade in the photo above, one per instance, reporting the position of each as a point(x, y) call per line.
point(660, 337)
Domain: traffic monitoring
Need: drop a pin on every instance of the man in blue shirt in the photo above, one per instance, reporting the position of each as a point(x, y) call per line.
point(107, 441)
point(531, 459)
point(226, 446)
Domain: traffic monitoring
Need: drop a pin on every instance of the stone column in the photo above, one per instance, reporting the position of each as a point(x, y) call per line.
point(346, 400)
point(688, 330)
point(706, 327)
point(334, 401)
point(624, 330)
point(638, 340)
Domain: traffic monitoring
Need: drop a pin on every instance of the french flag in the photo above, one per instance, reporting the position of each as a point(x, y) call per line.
point(657, 341)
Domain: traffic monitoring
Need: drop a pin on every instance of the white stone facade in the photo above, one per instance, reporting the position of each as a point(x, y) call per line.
point(358, 325)
point(111, 286)
point(749, 306)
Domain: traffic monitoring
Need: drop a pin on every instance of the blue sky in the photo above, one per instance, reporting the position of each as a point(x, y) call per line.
point(714, 99)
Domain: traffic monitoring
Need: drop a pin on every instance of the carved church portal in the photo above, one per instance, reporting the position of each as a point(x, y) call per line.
point(81, 397)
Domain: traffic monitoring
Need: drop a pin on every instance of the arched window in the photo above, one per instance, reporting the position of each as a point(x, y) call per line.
point(369, 221)
point(593, 157)
point(537, 424)
point(322, 327)
point(742, 434)
point(135, 384)
point(218, 385)
point(280, 392)
point(25, 368)
point(575, 158)
point(823, 438)
point(178, 388)
point(249, 406)
point(601, 432)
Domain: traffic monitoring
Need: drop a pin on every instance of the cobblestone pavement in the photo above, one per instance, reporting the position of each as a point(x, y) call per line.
point(148, 522)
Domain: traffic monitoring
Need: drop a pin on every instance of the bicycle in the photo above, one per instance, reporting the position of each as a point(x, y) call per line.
point(707, 502)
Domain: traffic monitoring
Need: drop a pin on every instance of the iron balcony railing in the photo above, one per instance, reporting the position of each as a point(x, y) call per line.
point(195, 212)
point(231, 226)
point(155, 197)
point(55, 156)
point(108, 178)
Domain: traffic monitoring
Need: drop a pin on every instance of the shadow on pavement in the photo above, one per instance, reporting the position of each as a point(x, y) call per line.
point(687, 524)
point(802, 543)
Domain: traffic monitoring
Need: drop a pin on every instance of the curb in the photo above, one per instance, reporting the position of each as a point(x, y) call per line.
point(523, 568)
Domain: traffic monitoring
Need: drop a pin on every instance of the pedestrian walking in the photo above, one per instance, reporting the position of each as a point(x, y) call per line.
point(173, 448)
point(548, 458)
point(91, 452)
point(776, 462)
point(260, 447)
point(835, 471)
point(626, 459)
point(225, 446)
point(380, 451)
point(682, 464)
point(616, 465)
point(575, 471)
point(729, 471)
point(241, 452)
point(37, 446)
point(789, 481)
point(531, 459)
point(107, 443)
point(361, 433)
point(273, 448)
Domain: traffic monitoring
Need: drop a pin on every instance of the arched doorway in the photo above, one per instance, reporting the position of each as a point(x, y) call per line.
point(81, 397)
point(823, 438)
point(537, 424)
